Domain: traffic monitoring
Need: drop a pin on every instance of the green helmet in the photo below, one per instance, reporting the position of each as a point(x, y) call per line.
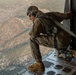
point(32, 10)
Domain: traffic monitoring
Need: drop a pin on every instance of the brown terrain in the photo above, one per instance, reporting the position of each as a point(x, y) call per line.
point(15, 27)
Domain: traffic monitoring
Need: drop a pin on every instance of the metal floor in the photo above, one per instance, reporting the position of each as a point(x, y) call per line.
point(57, 66)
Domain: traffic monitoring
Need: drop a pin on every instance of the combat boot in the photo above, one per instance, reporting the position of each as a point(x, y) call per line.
point(37, 68)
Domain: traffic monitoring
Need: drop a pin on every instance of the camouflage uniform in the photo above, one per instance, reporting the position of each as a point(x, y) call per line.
point(42, 33)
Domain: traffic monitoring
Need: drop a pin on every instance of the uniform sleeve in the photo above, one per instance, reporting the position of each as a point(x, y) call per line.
point(37, 28)
point(63, 16)
point(60, 16)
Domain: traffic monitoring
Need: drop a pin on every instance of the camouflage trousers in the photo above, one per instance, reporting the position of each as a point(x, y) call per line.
point(47, 41)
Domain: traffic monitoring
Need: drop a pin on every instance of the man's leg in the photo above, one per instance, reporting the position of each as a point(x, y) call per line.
point(47, 41)
point(38, 66)
point(42, 40)
point(35, 50)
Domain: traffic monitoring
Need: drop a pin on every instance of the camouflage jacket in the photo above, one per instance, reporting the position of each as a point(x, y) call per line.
point(43, 25)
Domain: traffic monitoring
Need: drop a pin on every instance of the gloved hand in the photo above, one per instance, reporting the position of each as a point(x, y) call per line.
point(69, 15)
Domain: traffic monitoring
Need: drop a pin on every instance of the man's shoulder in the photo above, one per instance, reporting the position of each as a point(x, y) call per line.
point(37, 20)
point(44, 16)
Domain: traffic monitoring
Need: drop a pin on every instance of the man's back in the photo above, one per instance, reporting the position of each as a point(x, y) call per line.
point(46, 25)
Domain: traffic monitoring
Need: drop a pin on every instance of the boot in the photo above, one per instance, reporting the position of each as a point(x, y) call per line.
point(37, 68)
point(61, 53)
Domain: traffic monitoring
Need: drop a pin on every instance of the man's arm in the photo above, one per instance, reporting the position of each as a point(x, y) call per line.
point(60, 16)
point(37, 28)
point(67, 15)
